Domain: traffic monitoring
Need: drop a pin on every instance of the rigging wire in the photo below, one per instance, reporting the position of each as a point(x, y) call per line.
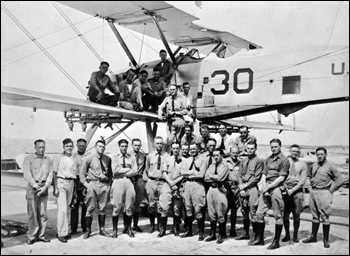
point(43, 49)
point(144, 30)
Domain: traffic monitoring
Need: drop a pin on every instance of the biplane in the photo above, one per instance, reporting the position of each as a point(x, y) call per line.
point(253, 80)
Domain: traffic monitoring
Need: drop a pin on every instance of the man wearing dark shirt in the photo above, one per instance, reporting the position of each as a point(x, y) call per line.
point(155, 96)
point(325, 180)
point(165, 67)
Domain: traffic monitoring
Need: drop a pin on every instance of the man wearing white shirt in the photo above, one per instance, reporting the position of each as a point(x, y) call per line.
point(224, 141)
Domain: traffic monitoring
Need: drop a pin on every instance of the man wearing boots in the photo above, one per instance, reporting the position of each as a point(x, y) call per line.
point(170, 193)
point(154, 171)
point(124, 170)
point(325, 180)
point(273, 177)
point(96, 176)
point(232, 188)
point(250, 171)
point(294, 200)
point(194, 193)
point(216, 197)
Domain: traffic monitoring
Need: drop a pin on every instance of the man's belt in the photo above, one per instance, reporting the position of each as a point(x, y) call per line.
point(98, 181)
point(157, 179)
point(195, 180)
point(216, 184)
point(40, 181)
point(320, 188)
point(66, 178)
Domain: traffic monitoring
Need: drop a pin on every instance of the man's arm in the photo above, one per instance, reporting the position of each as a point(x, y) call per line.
point(113, 88)
point(27, 174)
point(83, 170)
point(202, 168)
point(145, 173)
point(303, 177)
point(133, 171)
point(93, 82)
point(337, 178)
point(55, 162)
point(257, 175)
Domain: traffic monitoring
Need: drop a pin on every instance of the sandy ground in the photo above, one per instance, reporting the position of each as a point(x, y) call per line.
point(13, 207)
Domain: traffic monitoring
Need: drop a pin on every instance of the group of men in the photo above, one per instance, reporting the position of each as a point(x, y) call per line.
point(199, 174)
point(136, 91)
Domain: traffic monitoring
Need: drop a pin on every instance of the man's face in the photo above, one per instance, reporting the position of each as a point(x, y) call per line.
point(81, 145)
point(143, 77)
point(123, 148)
point(163, 56)
point(275, 148)
point(193, 150)
point(222, 130)
point(176, 149)
point(243, 132)
point(188, 131)
point(217, 156)
point(172, 90)
point(211, 146)
point(321, 156)
point(158, 144)
point(184, 150)
point(295, 152)
point(130, 76)
point(40, 148)
point(68, 148)
point(204, 133)
point(104, 68)
point(156, 75)
point(100, 148)
point(250, 150)
point(136, 145)
point(186, 89)
point(234, 153)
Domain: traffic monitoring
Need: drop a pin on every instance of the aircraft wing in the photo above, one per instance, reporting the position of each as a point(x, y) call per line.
point(180, 28)
point(47, 101)
point(262, 125)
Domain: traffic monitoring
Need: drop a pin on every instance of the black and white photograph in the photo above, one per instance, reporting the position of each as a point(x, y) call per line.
point(174, 127)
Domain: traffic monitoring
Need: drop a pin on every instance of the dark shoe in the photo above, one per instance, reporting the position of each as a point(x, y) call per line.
point(276, 241)
point(188, 222)
point(222, 231)
point(162, 226)
point(212, 236)
point(326, 236)
point(296, 224)
point(101, 222)
point(30, 241)
point(286, 227)
point(176, 227)
point(260, 227)
point(136, 222)
point(62, 239)
point(68, 236)
point(313, 237)
point(115, 226)
point(253, 236)
point(129, 231)
point(151, 220)
point(201, 226)
point(88, 221)
point(245, 235)
point(233, 219)
point(44, 239)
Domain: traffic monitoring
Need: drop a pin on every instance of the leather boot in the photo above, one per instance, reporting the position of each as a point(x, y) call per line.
point(162, 226)
point(201, 225)
point(260, 228)
point(101, 222)
point(125, 220)
point(326, 236)
point(276, 241)
point(253, 236)
point(188, 233)
point(222, 230)
point(158, 221)
point(212, 235)
point(233, 219)
point(115, 226)
point(245, 235)
point(88, 221)
point(136, 222)
point(296, 224)
point(176, 227)
point(151, 219)
point(286, 228)
point(128, 226)
point(313, 237)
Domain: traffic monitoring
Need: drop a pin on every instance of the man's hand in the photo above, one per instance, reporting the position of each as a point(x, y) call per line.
point(174, 187)
point(266, 193)
point(289, 191)
point(55, 193)
point(243, 193)
point(42, 191)
point(121, 97)
point(99, 96)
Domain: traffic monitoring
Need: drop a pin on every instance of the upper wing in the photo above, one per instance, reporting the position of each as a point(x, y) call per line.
point(179, 27)
point(47, 101)
point(262, 125)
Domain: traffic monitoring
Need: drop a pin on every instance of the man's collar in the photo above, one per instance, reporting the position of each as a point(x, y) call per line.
point(36, 156)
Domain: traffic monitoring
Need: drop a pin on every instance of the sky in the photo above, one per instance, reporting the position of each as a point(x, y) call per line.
point(269, 24)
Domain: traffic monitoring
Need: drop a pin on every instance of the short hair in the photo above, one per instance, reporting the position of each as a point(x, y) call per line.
point(186, 83)
point(156, 69)
point(220, 150)
point(104, 62)
point(295, 146)
point(136, 140)
point(162, 51)
point(186, 145)
point(172, 85)
point(158, 138)
point(143, 72)
point(130, 70)
point(188, 126)
point(225, 125)
point(321, 148)
point(176, 143)
point(205, 127)
point(100, 141)
point(193, 144)
point(67, 141)
point(212, 139)
point(81, 140)
point(123, 141)
point(243, 126)
point(276, 141)
point(39, 141)
point(252, 143)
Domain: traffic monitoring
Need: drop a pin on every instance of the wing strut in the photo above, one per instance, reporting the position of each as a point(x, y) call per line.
point(122, 43)
point(161, 34)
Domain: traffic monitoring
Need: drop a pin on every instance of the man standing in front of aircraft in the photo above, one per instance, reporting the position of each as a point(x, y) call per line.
point(99, 81)
point(242, 141)
point(224, 141)
point(37, 171)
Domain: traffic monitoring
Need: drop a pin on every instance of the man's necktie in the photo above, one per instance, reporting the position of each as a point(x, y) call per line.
point(222, 146)
point(124, 165)
point(159, 162)
point(193, 164)
point(245, 170)
point(210, 159)
point(137, 159)
point(172, 104)
point(216, 169)
point(102, 166)
point(293, 171)
point(177, 161)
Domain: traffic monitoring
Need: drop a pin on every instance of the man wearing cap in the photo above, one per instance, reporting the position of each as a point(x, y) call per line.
point(96, 176)
point(37, 171)
point(99, 81)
